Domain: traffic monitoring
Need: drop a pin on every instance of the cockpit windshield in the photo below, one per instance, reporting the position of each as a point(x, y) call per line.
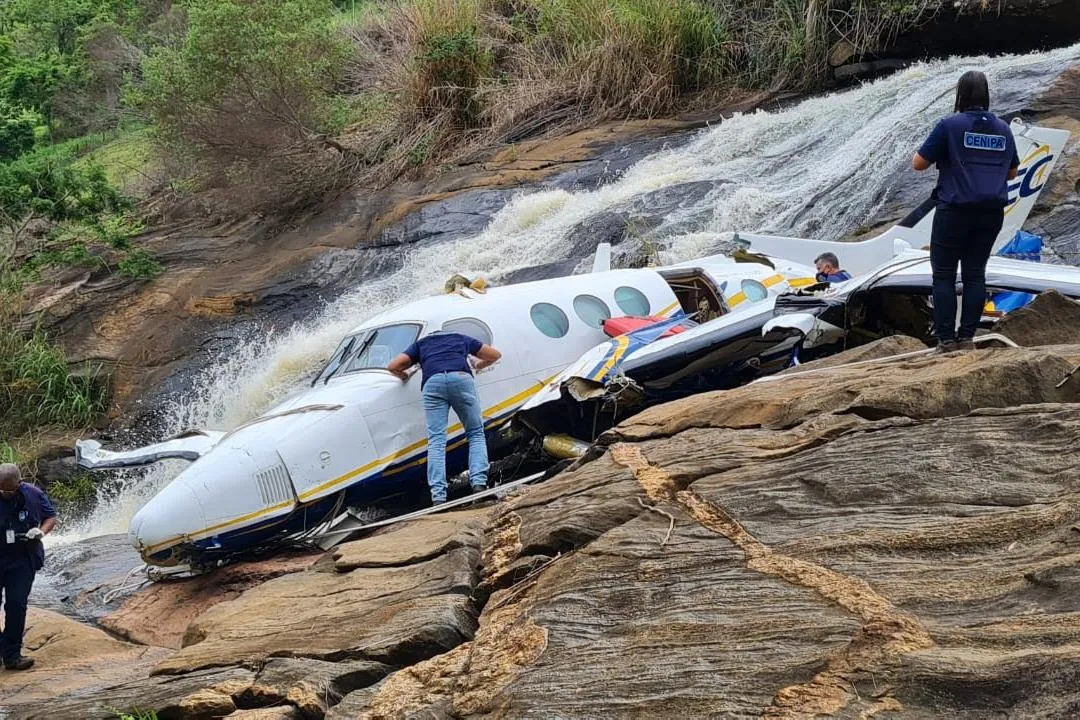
point(381, 346)
point(335, 360)
point(369, 349)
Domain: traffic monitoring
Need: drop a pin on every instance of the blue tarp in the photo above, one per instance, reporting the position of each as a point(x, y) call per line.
point(1023, 246)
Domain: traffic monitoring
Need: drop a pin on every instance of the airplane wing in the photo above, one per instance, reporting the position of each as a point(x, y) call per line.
point(190, 445)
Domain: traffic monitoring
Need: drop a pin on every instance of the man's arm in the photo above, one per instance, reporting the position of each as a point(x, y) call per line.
point(919, 163)
point(48, 524)
point(486, 355)
point(399, 365)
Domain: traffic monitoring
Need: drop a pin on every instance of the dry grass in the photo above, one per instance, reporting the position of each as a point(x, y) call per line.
point(461, 75)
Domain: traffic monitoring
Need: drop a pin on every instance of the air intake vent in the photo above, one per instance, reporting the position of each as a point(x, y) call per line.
point(274, 485)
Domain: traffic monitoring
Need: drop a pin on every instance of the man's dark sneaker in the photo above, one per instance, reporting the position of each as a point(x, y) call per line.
point(946, 346)
point(436, 503)
point(965, 344)
point(479, 488)
point(19, 663)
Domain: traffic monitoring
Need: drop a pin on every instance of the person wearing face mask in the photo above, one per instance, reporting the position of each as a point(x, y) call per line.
point(26, 516)
point(976, 157)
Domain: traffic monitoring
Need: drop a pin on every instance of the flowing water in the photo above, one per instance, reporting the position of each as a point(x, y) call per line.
point(820, 169)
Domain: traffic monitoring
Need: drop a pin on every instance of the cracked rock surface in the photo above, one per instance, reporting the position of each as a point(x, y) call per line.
point(893, 539)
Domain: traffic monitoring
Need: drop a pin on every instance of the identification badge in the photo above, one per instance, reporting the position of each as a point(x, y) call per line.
point(980, 141)
point(9, 537)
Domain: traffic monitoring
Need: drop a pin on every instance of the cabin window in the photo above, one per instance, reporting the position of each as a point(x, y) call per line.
point(592, 310)
point(469, 326)
point(754, 291)
point(631, 301)
point(550, 320)
point(383, 345)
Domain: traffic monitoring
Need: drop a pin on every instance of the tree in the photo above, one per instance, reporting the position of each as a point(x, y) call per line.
point(45, 185)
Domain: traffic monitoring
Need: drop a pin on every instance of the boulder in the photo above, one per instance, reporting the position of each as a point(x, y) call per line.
point(160, 614)
point(1049, 319)
point(394, 613)
point(876, 350)
point(71, 657)
point(311, 686)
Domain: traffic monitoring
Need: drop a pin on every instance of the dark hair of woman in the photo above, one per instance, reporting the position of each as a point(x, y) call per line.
point(972, 92)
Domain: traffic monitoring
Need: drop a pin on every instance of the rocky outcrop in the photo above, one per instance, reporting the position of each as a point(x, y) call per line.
point(70, 658)
point(892, 538)
point(410, 599)
point(161, 614)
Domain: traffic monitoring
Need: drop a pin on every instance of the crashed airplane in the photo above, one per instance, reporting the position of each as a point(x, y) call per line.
point(357, 435)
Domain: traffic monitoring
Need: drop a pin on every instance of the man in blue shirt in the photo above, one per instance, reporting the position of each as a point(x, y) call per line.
point(447, 382)
point(828, 268)
point(26, 515)
point(975, 154)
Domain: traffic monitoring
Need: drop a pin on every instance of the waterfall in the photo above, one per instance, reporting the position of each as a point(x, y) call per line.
point(821, 169)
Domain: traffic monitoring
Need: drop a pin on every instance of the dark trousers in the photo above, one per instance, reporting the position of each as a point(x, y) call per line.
point(961, 237)
point(16, 579)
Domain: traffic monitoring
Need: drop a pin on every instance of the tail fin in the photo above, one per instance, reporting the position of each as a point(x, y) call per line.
point(1039, 150)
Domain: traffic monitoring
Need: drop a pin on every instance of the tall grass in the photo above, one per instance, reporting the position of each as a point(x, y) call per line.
point(459, 73)
point(37, 388)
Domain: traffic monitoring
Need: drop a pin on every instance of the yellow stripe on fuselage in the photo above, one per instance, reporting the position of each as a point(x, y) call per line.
point(493, 410)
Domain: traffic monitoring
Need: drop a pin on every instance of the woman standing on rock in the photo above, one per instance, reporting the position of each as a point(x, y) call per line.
point(975, 154)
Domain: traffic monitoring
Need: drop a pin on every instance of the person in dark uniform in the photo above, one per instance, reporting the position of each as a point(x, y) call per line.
point(975, 154)
point(26, 516)
point(445, 359)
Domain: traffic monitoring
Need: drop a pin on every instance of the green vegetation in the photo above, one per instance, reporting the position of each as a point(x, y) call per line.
point(38, 389)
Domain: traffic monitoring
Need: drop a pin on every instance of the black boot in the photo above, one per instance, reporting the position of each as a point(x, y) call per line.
point(19, 663)
point(947, 346)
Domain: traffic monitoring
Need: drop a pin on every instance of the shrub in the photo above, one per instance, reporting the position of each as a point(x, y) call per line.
point(140, 265)
point(37, 388)
point(249, 92)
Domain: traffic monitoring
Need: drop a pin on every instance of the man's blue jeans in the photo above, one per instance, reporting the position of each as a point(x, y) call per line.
point(442, 392)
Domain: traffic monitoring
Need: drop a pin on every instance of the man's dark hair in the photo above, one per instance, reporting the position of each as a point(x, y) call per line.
point(829, 258)
point(972, 92)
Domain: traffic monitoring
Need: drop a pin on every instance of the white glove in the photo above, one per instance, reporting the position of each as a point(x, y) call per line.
point(34, 534)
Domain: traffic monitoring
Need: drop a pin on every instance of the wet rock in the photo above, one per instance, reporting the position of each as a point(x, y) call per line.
point(160, 614)
point(456, 216)
point(393, 614)
point(89, 578)
point(1049, 319)
point(70, 657)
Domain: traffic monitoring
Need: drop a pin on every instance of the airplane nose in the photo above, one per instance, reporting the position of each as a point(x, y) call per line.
point(170, 515)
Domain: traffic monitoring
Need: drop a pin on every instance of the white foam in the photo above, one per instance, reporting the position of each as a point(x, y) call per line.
point(847, 146)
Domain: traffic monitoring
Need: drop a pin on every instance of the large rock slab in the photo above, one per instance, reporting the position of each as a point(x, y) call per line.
point(71, 657)
point(392, 614)
point(199, 696)
point(414, 542)
point(160, 614)
point(916, 387)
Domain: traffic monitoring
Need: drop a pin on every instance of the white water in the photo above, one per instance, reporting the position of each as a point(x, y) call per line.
point(857, 143)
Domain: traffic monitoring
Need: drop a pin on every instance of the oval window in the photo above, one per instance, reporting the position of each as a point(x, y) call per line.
point(631, 301)
point(550, 320)
point(469, 326)
point(754, 291)
point(592, 310)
